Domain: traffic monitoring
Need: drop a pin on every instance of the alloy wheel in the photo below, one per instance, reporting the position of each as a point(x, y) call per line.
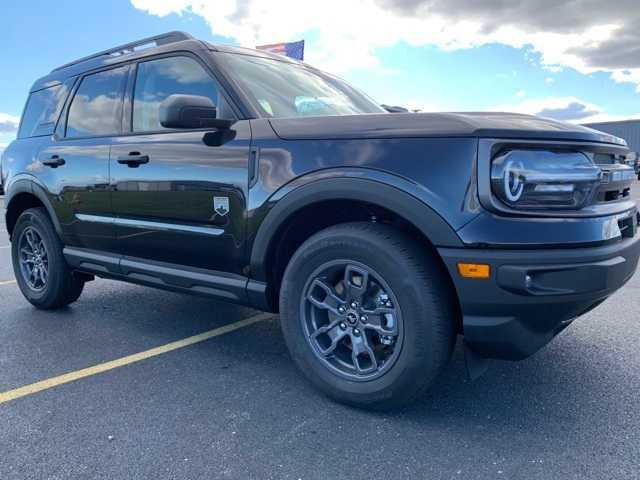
point(352, 320)
point(33, 258)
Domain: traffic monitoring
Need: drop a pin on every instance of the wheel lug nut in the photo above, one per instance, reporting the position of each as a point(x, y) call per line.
point(386, 340)
point(363, 319)
point(354, 304)
point(341, 309)
point(356, 332)
point(343, 326)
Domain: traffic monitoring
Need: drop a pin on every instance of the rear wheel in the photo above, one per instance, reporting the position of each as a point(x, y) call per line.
point(39, 265)
point(367, 315)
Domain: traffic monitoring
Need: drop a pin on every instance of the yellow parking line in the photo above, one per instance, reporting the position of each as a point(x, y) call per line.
point(121, 362)
point(7, 282)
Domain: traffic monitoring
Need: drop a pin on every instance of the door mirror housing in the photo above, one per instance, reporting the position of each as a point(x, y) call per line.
point(191, 111)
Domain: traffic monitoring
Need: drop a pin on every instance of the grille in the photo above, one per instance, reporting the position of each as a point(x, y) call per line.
point(616, 183)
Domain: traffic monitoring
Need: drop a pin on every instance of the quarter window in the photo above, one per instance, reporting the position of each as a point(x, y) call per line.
point(97, 105)
point(43, 109)
point(158, 79)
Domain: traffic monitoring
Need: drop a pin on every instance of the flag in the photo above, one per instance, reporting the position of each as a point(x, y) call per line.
point(291, 49)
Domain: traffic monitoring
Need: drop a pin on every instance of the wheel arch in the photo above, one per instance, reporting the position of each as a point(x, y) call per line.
point(384, 191)
point(22, 195)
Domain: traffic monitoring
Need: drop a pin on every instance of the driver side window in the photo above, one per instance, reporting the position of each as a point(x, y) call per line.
point(158, 79)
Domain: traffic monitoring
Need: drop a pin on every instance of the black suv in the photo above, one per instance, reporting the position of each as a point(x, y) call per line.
point(379, 237)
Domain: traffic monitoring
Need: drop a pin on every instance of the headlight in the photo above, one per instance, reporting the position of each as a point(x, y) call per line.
point(543, 179)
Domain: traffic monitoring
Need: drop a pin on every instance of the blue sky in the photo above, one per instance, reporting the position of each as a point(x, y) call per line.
point(423, 54)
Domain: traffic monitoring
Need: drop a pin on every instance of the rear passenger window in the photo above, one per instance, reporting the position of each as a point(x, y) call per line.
point(158, 79)
point(42, 110)
point(97, 105)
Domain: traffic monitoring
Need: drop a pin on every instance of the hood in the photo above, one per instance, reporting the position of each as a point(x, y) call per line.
point(472, 124)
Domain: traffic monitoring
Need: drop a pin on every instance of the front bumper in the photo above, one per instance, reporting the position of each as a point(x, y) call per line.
point(533, 294)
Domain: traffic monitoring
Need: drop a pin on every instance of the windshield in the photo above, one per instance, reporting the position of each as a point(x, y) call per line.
point(281, 89)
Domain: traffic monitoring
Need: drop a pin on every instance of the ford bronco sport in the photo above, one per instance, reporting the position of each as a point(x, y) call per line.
point(378, 237)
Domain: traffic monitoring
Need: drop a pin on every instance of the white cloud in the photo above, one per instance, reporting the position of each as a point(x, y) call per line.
point(8, 123)
point(521, 93)
point(549, 80)
point(605, 117)
point(587, 35)
point(569, 109)
point(561, 108)
point(630, 76)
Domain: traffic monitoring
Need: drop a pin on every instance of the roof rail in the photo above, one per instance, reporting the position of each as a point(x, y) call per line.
point(162, 39)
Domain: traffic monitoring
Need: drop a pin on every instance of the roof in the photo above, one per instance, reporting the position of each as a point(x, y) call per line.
point(165, 42)
point(627, 129)
point(157, 40)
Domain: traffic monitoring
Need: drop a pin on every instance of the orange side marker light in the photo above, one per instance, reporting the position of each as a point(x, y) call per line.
point(474, 270)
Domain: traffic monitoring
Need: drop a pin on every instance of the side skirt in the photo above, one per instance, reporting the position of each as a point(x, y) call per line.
point(166, 276)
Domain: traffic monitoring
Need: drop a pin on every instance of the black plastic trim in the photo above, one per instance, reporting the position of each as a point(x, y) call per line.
point(166, 276)
point(92, 261)
point(257, 295)
point(532, 295)
point(254, 166)
point(423, 217)
point(30, 186)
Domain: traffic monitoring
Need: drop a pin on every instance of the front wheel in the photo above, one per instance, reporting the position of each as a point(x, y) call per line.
point(367, 314)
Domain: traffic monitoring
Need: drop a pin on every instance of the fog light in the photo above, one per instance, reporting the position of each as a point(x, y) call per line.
point(474, 270)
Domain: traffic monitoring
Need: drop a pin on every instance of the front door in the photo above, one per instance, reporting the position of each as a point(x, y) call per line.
point(179, 196)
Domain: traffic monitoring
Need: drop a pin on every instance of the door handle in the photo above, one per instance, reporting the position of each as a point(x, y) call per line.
point(133, 160)
point(54, 162)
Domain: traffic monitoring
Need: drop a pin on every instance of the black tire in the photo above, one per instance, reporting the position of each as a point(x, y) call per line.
point(426, 302)
point(61, 287)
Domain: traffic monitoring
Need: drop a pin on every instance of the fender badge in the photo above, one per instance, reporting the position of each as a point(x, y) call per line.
point(221, 205)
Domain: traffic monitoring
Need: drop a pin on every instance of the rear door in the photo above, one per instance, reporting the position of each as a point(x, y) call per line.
point(76, 161)
point(179, 196)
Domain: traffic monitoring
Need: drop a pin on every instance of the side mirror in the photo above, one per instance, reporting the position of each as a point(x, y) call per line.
point(190, 111)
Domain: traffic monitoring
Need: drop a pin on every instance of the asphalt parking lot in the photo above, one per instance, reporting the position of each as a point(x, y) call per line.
point(234, 406)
